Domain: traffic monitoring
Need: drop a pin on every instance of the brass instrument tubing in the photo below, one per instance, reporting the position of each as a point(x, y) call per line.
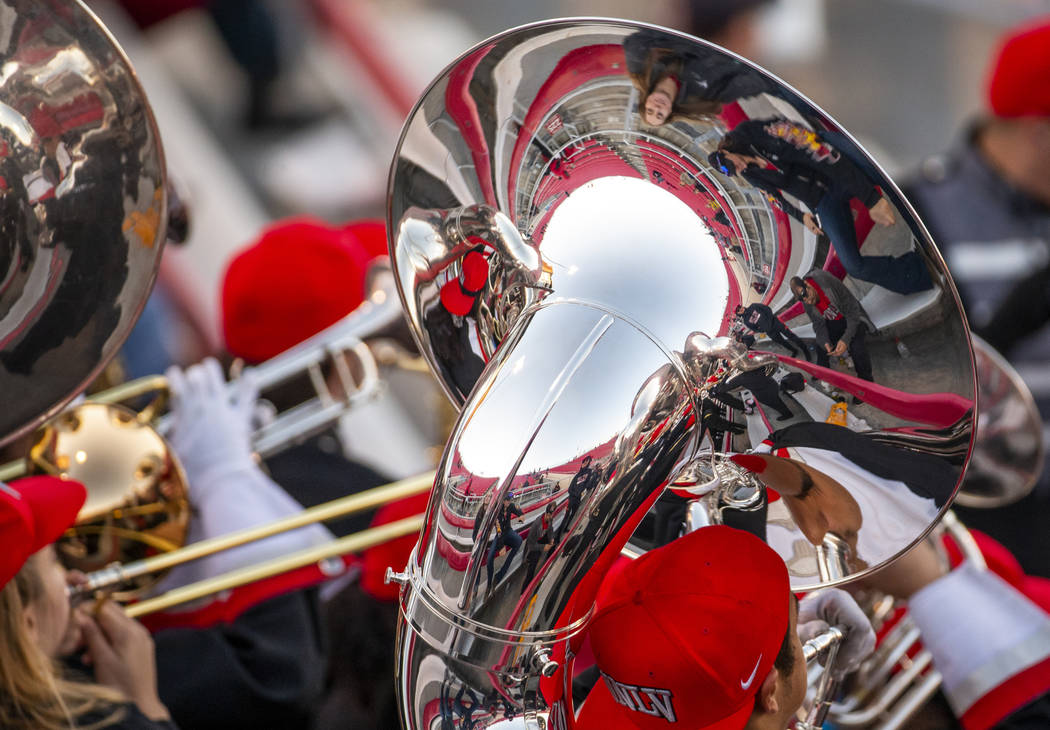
point(349, 544)
point(336, 508)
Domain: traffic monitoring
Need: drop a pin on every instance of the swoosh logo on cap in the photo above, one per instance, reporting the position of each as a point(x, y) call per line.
point(745, 685)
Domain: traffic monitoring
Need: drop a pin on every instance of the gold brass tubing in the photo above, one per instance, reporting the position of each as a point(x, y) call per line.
point(349, 544)
point(131, 389)
point(329, 510)
point(158, 543)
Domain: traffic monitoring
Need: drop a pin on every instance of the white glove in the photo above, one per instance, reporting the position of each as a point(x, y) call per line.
point(833, 607)
point(211, 436)
point(211, 424)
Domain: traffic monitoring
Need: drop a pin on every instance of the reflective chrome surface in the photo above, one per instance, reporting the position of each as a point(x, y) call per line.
point(571, 271)
point(83, 201)
point(1008, 453)
point(137, 502)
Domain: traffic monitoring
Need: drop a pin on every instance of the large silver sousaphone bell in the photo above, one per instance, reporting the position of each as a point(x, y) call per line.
point(571, 258)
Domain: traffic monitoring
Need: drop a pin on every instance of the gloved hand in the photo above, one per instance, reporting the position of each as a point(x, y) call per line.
point(833, 607)
point(211, 424)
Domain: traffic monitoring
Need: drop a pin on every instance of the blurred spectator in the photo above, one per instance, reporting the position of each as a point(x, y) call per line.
point(987, 205)
point(301, 276)
point(729, 23)
point(252, 32)
point(987, 201)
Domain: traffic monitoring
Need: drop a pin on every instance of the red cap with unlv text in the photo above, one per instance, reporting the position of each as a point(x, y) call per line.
point(686, 634)
point(34, 512)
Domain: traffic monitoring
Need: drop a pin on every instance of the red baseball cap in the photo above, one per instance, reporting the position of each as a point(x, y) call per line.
point(34, 512)
point(301, 276)
point(687, 633)
point(1019, 84)
point(458, 294)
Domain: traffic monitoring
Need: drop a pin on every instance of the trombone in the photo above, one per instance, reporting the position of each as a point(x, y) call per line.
point(138, 497)
point(380, 311)
point(115, 575)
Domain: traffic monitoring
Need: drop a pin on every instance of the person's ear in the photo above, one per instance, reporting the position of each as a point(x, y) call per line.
point(767, 692)
point(31, 623)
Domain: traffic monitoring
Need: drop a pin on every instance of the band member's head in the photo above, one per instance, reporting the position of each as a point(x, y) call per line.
point(586, 460)
point(299, 277)
point(34, 512)
point(1018, 84)
point(459, 293)
point(699, 633)
point(739, 309)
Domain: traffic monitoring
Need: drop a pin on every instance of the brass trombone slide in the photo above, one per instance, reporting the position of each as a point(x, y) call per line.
point(250, 574)
point(116, 574)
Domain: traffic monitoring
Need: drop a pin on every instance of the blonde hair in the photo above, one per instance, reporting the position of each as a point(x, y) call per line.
point(33, 694)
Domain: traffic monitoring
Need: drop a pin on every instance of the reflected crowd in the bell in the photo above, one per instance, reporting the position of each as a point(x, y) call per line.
point(81, 166)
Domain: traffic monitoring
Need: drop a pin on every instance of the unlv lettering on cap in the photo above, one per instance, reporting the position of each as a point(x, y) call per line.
point(647, 700)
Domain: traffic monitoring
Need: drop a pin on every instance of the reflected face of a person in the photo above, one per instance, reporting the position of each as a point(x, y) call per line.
point(657, 107)
point(807, 295)
point(825, 507)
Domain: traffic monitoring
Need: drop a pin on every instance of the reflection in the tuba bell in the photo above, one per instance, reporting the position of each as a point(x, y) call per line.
point(678, 79)
point(874, 497)
point(83, 206)
point(571, 275)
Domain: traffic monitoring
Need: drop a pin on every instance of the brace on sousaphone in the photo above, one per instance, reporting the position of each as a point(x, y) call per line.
point(582, 354)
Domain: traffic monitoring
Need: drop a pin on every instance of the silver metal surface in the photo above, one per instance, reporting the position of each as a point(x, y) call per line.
point(827, 643)
point(1008, 453)
point(84, 205)
point(332, 346)
point(571, 270)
